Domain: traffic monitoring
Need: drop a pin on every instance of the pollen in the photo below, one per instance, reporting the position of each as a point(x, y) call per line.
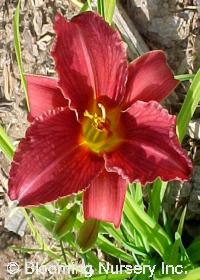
point(98, 121)
point(99, 129)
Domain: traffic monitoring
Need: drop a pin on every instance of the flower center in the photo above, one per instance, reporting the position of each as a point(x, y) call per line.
point(98, 122)
point(100, 129)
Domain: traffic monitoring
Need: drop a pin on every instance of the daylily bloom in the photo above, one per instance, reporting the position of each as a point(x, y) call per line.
point(99, 125)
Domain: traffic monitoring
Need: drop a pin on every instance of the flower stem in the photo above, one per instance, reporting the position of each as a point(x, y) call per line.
point(63, 252)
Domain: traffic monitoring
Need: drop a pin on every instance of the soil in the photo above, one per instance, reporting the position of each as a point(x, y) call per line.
point(36, 33)
point(170, 25)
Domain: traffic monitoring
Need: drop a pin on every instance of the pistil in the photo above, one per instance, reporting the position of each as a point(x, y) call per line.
point(99, 131)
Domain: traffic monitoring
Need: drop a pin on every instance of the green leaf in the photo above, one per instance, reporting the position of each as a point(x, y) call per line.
point(100, 8)
point(109, 248)
point(138, 195)
point(188, 275)
point(147, 227)
point(140, 240)
point(184, 257)
point(108, 276)
point(174, 254)
point(38, 238)
point(85, 8)
point(189, 106)
point(184, 77)
point(44, 216)
point(89, 5)
point(109, 9)
point(193, 250)
point(62, 202)
point(106, 9)
point(117, 234)
point(127, 229)
point(156, 197)
point(5, 144)
point(77, 3)
point(92, 259)
point(181, 222)
point(119, 238)
point(175, 250)
point(18, 51)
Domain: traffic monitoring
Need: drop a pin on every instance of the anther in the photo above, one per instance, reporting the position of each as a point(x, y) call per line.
point(97, 121)
point(103, 111)
point(88, 115)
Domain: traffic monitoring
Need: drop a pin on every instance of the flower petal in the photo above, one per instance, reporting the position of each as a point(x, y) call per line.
point(149, 78)
point(51, 162)
point(43, 94)
point(104, 199)
point(90, 60)
point(150, 148)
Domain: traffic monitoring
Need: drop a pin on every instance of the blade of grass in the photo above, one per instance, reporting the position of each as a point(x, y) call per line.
point(100, 8)
point(184, 77)
point(85, 8)
point(18, 51)
point(189, 106)
point(109, 248)
point(5, 144)
point(122, 241)
point(175, 254)
point(184, 257)
point(156, 197)
point(189, 275)
point(107, 276)
point(126, 230)
point(45, 217)
point(92, 259)
point(181, 222)
point(117, 234)
point(89, 4)
point(140, 240)
point(138, 195)
point(28, 250)
point(193, 250)
point(146, 226)
point(63, 252)
point(38, 238)
point(78, 3)
point(109, 8)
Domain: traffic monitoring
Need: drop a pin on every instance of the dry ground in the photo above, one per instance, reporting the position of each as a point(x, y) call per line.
point(170, 25)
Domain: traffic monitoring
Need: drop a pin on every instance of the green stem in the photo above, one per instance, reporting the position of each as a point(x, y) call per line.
point(63, 252)
point(18, 53)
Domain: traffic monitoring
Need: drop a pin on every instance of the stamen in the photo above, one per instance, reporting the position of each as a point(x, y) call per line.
point(103, 111)
point(88, 115)
point(98, 121)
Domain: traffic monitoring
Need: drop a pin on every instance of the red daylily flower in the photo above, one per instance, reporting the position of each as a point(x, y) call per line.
point(99, 126)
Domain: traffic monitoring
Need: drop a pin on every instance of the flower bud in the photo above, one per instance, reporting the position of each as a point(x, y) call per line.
point(65, 222)
point(88, 234)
